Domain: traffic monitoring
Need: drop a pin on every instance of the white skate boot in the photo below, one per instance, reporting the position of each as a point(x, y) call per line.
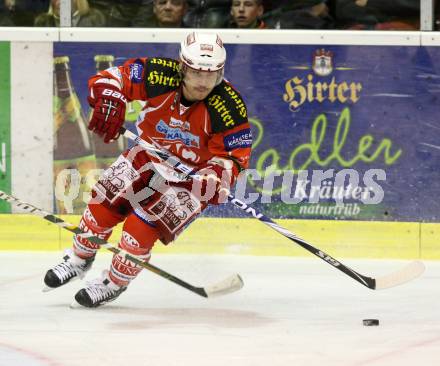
point(72, 267)
point(98, 292)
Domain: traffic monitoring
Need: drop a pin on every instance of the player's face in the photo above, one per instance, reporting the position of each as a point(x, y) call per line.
point(245, 12)
point(170, 12)
point(198, 84)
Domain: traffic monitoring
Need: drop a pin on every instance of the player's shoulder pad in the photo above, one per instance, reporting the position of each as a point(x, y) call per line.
point(162, 75)
point(225, 107)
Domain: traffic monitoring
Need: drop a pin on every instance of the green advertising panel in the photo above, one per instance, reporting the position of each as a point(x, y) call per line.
point(5, 122)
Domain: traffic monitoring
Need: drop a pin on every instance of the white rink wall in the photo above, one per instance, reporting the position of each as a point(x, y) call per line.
point(32, 122)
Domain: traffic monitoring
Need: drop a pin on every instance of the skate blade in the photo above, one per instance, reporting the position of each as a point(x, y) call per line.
point(76, 305)
point(47, 288)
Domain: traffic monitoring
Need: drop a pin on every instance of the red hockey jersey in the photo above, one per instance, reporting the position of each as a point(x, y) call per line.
point(214, 127)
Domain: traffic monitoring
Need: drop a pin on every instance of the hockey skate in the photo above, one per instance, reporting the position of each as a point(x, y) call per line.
point(98, 292)
point(72, 267)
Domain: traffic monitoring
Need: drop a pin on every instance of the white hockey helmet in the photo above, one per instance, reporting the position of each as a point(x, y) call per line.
point(203, 51)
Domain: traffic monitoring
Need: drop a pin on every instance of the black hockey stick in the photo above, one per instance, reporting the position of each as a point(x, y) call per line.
point(231, 284)
point(409, 272)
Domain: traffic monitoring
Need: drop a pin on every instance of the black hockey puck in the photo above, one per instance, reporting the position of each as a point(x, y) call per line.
point(370, 322)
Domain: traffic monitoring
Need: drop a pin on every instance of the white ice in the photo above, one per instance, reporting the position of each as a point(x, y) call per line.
point(290, 312)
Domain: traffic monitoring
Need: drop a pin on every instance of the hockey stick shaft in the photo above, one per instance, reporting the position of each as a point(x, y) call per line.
point(175, 162)
point(103, 243)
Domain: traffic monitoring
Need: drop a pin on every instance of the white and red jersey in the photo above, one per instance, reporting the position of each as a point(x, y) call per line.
point(216, 127)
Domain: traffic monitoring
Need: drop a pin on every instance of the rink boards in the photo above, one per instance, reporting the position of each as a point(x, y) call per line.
point(369, 129)
point(351, 239)
point(26, 153)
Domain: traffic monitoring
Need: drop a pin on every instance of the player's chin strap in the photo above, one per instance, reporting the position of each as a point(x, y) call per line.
point(406, 274)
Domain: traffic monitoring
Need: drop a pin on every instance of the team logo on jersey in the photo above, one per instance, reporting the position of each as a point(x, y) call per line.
point(136, 69)
point(240, 139)
point(176, 134)
point(178, 123)
point(182, 108)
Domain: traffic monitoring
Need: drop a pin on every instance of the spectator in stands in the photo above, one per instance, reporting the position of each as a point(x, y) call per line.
point(208, 13)
point(119, 13)
point(378, 14)
point(437, 15)
point(5, 16)
point(22, 12)
point(301, 14)
point(82, 15)
point(5, 20)
point(270, 5)
point(247, 14)
point(164, 14)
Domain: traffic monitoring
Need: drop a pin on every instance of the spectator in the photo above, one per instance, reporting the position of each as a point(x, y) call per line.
point(437, 15)
point(164, 14)
point(270, 5)
point(378, 14)
point(5, 20)
point(247, 14)
point(23, 12)
point(5, 16)
point(82, 15)
point(208, 13)
point(301, 14)
point(119, 13)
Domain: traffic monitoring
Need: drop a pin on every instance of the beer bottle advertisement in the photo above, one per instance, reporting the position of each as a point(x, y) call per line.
point(73, 152)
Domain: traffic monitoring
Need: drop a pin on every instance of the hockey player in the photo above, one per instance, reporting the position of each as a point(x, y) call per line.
point(193, 113)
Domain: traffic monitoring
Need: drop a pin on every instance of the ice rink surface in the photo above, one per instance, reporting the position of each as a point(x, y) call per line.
point(290, 312)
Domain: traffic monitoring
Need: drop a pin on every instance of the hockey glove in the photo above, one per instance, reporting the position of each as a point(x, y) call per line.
point(214, 184)
point(109, 111)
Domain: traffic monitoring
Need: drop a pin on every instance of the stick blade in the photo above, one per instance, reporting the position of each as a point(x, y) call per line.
point(411, 271)
point(228, 285)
